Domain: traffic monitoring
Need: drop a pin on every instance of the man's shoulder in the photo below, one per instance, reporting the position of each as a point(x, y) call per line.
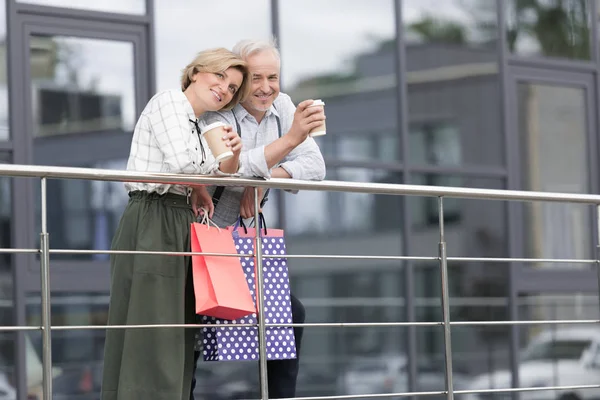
point(213, 116)
point(283, 100)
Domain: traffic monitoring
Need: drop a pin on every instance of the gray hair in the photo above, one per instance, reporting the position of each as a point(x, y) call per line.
point(248, 47)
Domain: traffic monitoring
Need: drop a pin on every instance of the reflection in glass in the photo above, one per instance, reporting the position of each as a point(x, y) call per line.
point(554, 158)
point(7, 366)
point(4, 122)
point(81, 85)
point(481, 358)
point(478, 290)
point(345, 212)
point(547, 349)
point(85, 214)
point(361, 146)
point(453, 82)
point(177, 43)
point(113, 6)
point(352, 68)
point(549, 28)
point(435, 142)
point(473, 227)
point(77, 355)
point(558, 306)
point(6, 274)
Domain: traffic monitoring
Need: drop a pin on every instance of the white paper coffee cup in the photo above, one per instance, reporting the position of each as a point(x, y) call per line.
point(321, 129)
point(213, 134)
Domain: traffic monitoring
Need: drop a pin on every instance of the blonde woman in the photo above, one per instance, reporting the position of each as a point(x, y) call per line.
point(157, 364)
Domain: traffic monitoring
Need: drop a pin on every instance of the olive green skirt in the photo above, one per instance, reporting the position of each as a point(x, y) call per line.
point(150, 363)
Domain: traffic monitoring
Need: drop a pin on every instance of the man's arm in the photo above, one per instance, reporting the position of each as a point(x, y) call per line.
point(304, 119)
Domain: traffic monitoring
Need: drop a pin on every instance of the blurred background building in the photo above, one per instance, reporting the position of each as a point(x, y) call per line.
point(496, 94)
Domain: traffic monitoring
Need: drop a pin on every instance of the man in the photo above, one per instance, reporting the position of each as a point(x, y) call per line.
point(275, 144)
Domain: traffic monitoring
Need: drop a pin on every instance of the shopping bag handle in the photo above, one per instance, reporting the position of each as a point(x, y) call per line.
point(207, 221)
point(241, 224)
point(263, 223)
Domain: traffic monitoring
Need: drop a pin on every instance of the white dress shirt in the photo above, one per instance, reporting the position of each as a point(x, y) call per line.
point(165, 140)
point(304, 162)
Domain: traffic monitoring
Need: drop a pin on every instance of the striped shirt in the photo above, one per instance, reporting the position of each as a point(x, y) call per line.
point(165, 140)
point(304, 162)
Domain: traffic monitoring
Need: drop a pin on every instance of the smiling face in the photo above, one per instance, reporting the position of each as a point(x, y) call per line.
point(213, 91)
point(264, 82)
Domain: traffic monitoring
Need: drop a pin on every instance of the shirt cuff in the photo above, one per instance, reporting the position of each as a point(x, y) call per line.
point(289, 168)
point(218, 171)
point(258, 163)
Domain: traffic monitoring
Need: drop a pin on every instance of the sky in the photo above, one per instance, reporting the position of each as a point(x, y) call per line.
point(316, 36)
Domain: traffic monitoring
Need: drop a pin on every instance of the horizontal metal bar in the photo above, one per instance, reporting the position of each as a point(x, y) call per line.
point(310, 325)
point(540, 322)
point(526, 389)
point(189, 253)
point(19, 251)
point(39, 171)
point(19, 328)
point(359, 324)
point(147, 326)
point(523, 260)
point(482, 391)
point(140, 252)
point(368, 396)
point(355, 257)
point(322, 256)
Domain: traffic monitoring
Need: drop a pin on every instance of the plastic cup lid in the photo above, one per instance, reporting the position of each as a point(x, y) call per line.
point(212, 126)
point(318, 102)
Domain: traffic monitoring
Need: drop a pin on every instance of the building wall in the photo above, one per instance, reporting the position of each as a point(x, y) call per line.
point(416, 92)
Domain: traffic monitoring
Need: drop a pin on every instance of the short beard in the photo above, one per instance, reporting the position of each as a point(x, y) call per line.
point(248, 104)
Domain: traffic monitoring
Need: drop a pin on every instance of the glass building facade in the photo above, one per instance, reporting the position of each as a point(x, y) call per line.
point(500, 94)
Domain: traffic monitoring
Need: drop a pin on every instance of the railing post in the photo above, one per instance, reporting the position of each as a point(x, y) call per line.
point(598, 247)
point(262, 337)
point(45, 284)
point(445, 302)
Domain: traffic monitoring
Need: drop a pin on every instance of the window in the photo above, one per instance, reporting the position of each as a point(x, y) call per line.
point(114, 6)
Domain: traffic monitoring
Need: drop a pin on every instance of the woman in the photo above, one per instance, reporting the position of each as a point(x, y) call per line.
point(157, 363)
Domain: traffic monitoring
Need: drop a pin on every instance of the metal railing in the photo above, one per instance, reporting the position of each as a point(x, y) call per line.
point(48, 172)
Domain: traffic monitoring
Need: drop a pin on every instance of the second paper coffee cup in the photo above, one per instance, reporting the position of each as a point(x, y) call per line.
point(213, 134)
point(321, 129)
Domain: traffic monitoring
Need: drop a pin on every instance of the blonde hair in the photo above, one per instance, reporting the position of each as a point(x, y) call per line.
point(214, 61)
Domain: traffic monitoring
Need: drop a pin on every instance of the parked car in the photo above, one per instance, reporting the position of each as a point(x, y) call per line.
point(7, 392)
point(389, 374)
point(555, 357)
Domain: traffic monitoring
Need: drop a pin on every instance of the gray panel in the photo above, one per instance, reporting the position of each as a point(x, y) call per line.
point(81, 14)
point(557, 281)
point(75, 149)
point(85, 277)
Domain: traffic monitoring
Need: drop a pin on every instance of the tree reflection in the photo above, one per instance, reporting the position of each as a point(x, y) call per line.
point(560, 27)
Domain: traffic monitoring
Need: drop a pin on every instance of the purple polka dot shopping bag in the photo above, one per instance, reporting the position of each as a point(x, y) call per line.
point(241, 343)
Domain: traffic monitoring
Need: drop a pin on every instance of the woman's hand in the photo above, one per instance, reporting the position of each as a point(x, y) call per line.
point(233, 141)
point(200, 198)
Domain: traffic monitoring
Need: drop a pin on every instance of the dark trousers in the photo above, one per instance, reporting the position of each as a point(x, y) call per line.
point(282, 374)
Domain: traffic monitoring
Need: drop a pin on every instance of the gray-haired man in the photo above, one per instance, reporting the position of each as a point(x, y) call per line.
point(276, 144)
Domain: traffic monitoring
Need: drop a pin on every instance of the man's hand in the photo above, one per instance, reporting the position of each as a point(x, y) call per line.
point(306, 118)
point(234, 142)
point(247, 203)
point(200, 198)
